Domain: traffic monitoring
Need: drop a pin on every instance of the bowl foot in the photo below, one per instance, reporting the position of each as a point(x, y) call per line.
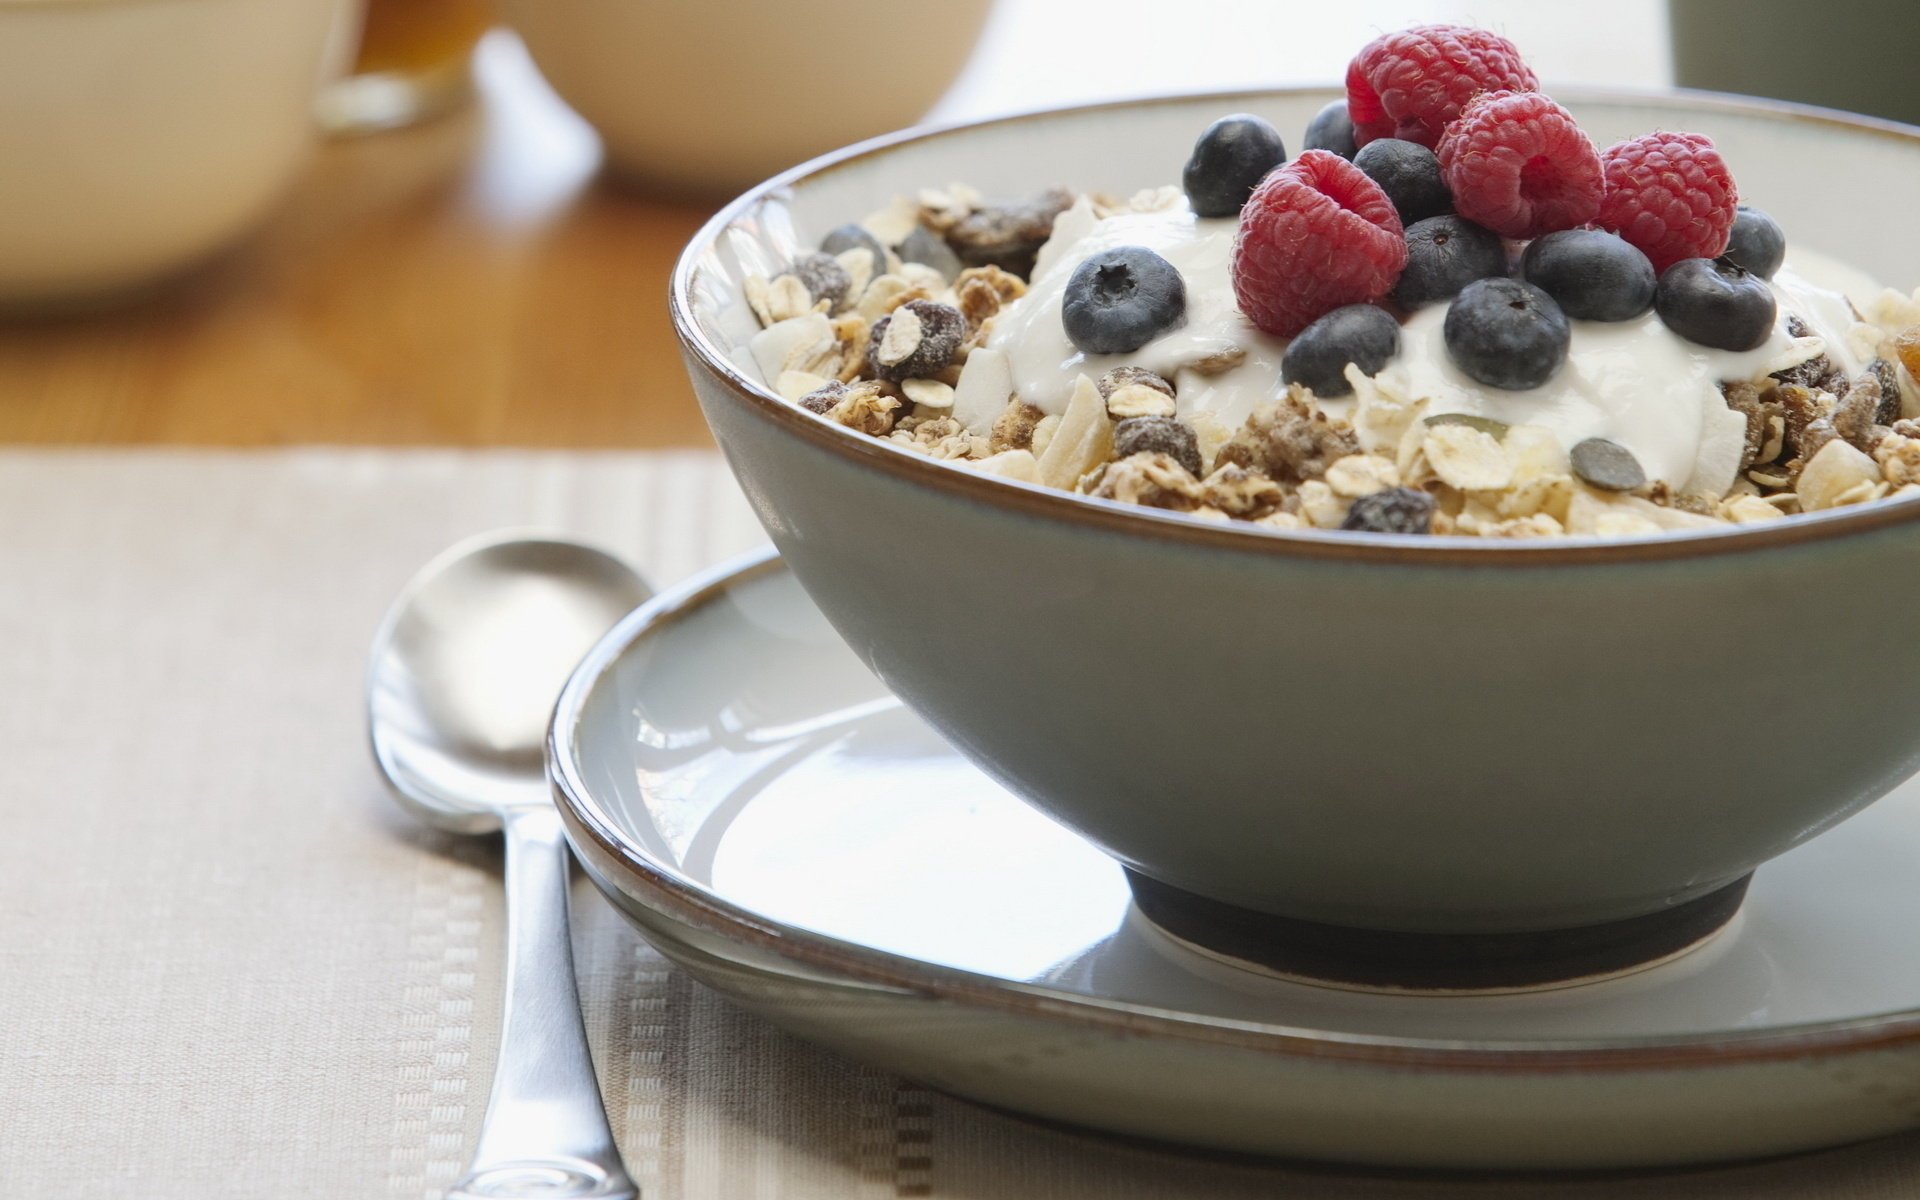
point(1386, 960)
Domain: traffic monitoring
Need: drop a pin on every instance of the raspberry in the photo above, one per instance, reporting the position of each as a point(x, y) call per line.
point(1518, 164)
point(1412, 84)
point(1671, 195)
point(1316, 235)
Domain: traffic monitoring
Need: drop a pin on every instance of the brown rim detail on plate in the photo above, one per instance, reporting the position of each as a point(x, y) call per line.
point(1046, 503)
point(598, 840)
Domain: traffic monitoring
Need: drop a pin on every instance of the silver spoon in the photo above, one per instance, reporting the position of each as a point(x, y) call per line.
point(465, 671)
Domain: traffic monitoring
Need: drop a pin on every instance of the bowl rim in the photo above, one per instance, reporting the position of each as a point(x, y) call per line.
point(653, 885)
point(1038, 502)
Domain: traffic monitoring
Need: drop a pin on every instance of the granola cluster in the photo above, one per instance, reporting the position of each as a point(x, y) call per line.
point(877, 336)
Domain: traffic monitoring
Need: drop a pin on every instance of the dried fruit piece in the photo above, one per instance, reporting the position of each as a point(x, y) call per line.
point(1607, 465)
point(1395, 510)
point(1158, 435)
point(1906, 348)
point(916, 340)
point(1887, 376)
point(1008, 235)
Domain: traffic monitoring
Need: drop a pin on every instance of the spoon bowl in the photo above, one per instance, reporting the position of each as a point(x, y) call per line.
point(464, 673)
point(468, 662)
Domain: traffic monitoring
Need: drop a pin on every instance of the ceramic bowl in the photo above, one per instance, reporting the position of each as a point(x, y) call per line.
point(1393, 734)
point(140, 136)
point(710, 95)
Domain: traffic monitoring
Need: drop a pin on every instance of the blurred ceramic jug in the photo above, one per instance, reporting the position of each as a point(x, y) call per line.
point(714, 95)
point(137, 136)
point(1856, 55)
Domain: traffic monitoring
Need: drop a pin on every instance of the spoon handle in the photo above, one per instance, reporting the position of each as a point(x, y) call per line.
point(545, 1133)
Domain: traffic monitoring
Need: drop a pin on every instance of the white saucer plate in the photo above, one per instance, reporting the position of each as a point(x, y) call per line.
point(758, 804)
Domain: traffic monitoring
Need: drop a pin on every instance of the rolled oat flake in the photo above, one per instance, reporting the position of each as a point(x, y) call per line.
point(1607, 465)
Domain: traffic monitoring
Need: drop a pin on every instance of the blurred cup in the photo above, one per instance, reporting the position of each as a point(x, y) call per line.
point(713, 95)
point(137, 136)
point(1859, 55)
point(415, 61)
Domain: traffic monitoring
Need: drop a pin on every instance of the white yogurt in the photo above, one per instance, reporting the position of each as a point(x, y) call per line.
point(1634, 382)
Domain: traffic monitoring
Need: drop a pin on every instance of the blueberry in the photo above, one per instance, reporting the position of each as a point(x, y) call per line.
point(1120, 299)
point(1410, 176)
point(1332, 129)
point(1445, 254)
point(1506, 334)
point(1359, 333)
point(1716, 302)
point(1593, 275)
point(1228, 162)
point(1396, 510)
point(1758, 243)
point(855, 237)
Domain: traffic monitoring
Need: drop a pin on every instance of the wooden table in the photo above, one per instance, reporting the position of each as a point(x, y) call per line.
point(473, 282)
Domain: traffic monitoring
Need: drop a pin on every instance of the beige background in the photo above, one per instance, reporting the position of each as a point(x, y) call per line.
point(230, 967)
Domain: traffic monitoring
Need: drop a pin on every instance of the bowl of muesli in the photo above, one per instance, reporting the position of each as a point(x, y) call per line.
point(1454, 548)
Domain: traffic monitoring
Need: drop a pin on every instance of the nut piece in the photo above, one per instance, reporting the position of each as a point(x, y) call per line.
point(1607, 465)
point(1013, 428)
point(1290, 440)
point(1834, 475)
point(1157, 435)
point(1008, 235)
point(915, 341)
point(1082, 441)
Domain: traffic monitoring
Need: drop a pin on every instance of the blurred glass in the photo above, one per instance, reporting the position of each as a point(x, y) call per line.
point(1858, 55)
point(414, 62)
